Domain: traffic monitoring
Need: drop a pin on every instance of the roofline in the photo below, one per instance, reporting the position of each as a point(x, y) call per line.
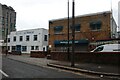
point(91, 14)
point(30, 29)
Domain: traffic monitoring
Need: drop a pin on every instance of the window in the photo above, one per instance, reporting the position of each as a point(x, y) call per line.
point(3, 20)
point(43, 48)
point(32, 47)
point(14, 38)
point(8, 48)
point(99, 49)
point(95, 25)
point(58, 29)
point(27, 38)
point(21, 38)
point(77, 27)
point(13, 48)
point(36, 47)
point(45, 37)
point(35, 37)
point(8, 39)
point(24, 48)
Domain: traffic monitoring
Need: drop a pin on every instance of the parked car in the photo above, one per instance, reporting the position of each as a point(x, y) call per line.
point(107, 48)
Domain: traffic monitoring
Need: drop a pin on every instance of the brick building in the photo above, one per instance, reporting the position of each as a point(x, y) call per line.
point(88, 29)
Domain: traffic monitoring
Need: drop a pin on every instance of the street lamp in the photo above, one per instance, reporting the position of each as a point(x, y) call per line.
point(68, 33)
point(6, 51)
point(73, 34)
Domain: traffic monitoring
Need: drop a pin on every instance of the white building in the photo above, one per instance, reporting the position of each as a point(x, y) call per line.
point(28, 40)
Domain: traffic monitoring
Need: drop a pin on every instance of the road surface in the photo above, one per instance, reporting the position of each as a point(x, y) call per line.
point(17, 69)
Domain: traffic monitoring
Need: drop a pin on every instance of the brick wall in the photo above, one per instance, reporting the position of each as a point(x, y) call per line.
point(102, 58)
point(38, 54)
point(85, 31)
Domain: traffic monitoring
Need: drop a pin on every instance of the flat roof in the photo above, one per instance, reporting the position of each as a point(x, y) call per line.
point(91, 14)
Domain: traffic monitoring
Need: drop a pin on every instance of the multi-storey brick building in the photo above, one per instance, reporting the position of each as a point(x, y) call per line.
point(88, 29)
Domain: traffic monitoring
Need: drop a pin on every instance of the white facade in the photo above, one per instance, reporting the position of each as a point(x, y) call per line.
point(28, 40)
point(113, 28)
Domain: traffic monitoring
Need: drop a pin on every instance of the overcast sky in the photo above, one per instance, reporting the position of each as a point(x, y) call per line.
point(36, 13)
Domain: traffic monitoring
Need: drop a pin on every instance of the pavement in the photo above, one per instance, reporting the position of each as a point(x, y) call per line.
point(89, 68)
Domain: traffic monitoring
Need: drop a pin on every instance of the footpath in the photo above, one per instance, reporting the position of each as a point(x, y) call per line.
point(89, 68)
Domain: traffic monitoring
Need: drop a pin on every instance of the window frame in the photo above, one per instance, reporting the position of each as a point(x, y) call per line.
point(20, 38)
point(14, 38)
point(32, 47)
point(36, 47)
point(24, 48)
point(45, 37)
point(35, 37)
point(58, 29)
point(8, 40)
point(13, 48)
point(95, 25)
point(27, 37)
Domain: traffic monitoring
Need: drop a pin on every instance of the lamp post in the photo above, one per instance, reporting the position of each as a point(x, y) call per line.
point(6, 51)
point(68, 33)
point(73, 34)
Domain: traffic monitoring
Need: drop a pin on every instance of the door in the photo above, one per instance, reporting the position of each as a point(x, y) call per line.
point(18, 47)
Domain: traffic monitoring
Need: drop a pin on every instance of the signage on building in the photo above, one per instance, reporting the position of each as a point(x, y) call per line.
point(28, 32)
point(57, 42)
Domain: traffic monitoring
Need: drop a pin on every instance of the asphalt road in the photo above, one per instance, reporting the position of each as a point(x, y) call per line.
point(16, 69)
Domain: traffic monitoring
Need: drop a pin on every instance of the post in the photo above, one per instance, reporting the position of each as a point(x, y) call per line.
point(68, 33)
point(6, 51)
point(73, 35)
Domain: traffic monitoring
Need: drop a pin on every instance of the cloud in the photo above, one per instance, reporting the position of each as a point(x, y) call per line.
point(37, 13)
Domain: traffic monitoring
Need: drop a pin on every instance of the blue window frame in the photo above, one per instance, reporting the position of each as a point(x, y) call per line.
point(95, 25)
point(77, 27)
point(58, 29)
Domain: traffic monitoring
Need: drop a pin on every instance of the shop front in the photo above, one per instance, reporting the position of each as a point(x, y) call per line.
point(62, 45)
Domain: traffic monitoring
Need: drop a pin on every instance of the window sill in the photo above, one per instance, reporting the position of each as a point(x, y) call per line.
point(58, 33)
point(96, 30)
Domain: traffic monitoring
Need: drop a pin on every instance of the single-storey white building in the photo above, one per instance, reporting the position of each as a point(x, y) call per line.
point(28, 40)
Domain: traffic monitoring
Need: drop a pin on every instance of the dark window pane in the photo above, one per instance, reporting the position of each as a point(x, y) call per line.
point(27, 38)
point(45, 37)
point(24, 48)
point(32, 47)
point(95, 25)
point(14, 38)
point(35, 37)
point(21, 38)
point(58, 29)
point(77, 27)
point(8, 39)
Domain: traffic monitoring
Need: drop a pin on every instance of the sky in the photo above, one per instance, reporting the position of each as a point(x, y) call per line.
point(33, 14)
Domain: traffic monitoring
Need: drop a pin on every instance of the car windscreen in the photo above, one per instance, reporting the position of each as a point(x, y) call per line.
point(99, 49)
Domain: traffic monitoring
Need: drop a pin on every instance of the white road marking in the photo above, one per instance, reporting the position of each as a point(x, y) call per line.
point(3, 73)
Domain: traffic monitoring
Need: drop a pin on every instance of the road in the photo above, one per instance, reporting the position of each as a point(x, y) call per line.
point(17, 69)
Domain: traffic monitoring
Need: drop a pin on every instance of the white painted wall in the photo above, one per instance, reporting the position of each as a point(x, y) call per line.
point(40, 32)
